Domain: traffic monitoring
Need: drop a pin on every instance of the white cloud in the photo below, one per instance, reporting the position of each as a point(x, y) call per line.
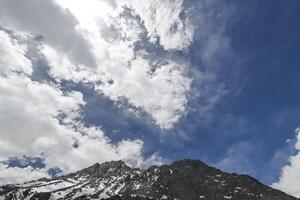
point(289, 179)
point(56, 25)
point(30, 125)
point(123, 71)
point(166, 22)
point(20, 175)
point(105, 35)
point(12, 56)
point(28, 110)
point(162, 95)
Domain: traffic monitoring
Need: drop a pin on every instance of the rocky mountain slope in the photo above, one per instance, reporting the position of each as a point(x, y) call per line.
point(182, 180)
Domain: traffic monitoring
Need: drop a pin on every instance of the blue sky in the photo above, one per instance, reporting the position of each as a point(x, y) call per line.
point(229, 97)
point(260, 110)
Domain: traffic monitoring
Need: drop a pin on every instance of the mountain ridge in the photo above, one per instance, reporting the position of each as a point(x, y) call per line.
point(182, 180)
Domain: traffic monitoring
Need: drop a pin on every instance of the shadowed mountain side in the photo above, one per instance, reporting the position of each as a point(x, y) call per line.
point(182, 180)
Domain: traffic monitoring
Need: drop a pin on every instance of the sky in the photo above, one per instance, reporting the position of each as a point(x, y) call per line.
point(150, 82)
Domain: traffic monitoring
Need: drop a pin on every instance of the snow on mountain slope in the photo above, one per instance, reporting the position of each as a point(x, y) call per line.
point(182, 180)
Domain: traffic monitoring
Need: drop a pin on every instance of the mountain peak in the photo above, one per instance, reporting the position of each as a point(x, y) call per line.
point(116, 164)
point(109, 164)
point(185, 180)
point(100, 169)
point(189, 162)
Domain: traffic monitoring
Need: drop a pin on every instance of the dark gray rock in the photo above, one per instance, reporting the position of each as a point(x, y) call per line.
point(182, 180)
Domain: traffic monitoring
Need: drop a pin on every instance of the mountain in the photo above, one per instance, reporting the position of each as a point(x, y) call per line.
point(182, 180)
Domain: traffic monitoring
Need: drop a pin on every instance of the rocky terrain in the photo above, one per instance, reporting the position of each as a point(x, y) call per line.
point(182, 180)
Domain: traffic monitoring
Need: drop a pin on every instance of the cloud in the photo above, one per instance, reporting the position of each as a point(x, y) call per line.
point(39, 120)
point(12, 55)
point(137, 49)
point(167, 22)
point(289, 179)
point(157, 84)
point(47, 19)
point(134, 53)
point(20, 175)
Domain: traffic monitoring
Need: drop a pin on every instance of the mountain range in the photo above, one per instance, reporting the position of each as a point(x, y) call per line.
point(181, 180)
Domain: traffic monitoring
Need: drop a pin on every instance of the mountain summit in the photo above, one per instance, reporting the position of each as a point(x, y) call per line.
point(182, 180)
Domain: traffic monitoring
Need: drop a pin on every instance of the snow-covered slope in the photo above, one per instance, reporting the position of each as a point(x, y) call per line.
point(182, 180)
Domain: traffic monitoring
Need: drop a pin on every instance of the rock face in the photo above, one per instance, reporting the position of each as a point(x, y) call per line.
point(182, 180)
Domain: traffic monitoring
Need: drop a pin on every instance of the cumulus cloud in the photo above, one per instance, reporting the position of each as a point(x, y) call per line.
point(48, 20)
point(123, 71)
point(167, 22)
point(130, 51)
point(133, 47)
point(20, 175)
point(12, 55)
point(40, 120)
point(289, 179)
